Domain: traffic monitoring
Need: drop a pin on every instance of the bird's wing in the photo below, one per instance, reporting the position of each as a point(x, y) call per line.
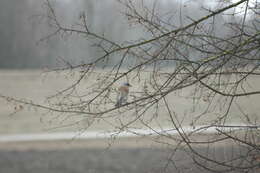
point(122, 95)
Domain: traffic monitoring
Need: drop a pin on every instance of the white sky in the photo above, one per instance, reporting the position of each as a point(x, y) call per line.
point(242, 7)
point(239, 10)
point(209, 3)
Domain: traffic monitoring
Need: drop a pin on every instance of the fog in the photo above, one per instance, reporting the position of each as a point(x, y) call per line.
point(23, 24)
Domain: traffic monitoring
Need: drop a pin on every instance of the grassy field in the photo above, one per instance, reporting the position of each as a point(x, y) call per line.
point(35, 85)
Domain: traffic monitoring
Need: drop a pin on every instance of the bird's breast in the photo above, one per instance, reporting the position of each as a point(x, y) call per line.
point(123, 89)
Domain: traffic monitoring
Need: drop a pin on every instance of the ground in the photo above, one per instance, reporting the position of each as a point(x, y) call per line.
point(128, 155)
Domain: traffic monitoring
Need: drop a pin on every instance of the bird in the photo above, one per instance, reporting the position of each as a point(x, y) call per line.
point(123, 91)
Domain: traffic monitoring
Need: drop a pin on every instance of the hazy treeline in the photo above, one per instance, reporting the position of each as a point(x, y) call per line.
point(18, 33)
point(24, 22)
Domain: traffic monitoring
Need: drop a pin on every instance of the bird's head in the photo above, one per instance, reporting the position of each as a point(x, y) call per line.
point(127, 84)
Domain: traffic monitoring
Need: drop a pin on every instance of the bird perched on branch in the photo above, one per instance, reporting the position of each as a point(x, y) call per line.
point(122, 94)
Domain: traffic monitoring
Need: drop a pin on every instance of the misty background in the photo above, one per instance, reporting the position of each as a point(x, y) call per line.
point(23, 23)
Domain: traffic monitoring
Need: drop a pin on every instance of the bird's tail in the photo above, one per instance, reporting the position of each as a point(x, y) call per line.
point(117, 104)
